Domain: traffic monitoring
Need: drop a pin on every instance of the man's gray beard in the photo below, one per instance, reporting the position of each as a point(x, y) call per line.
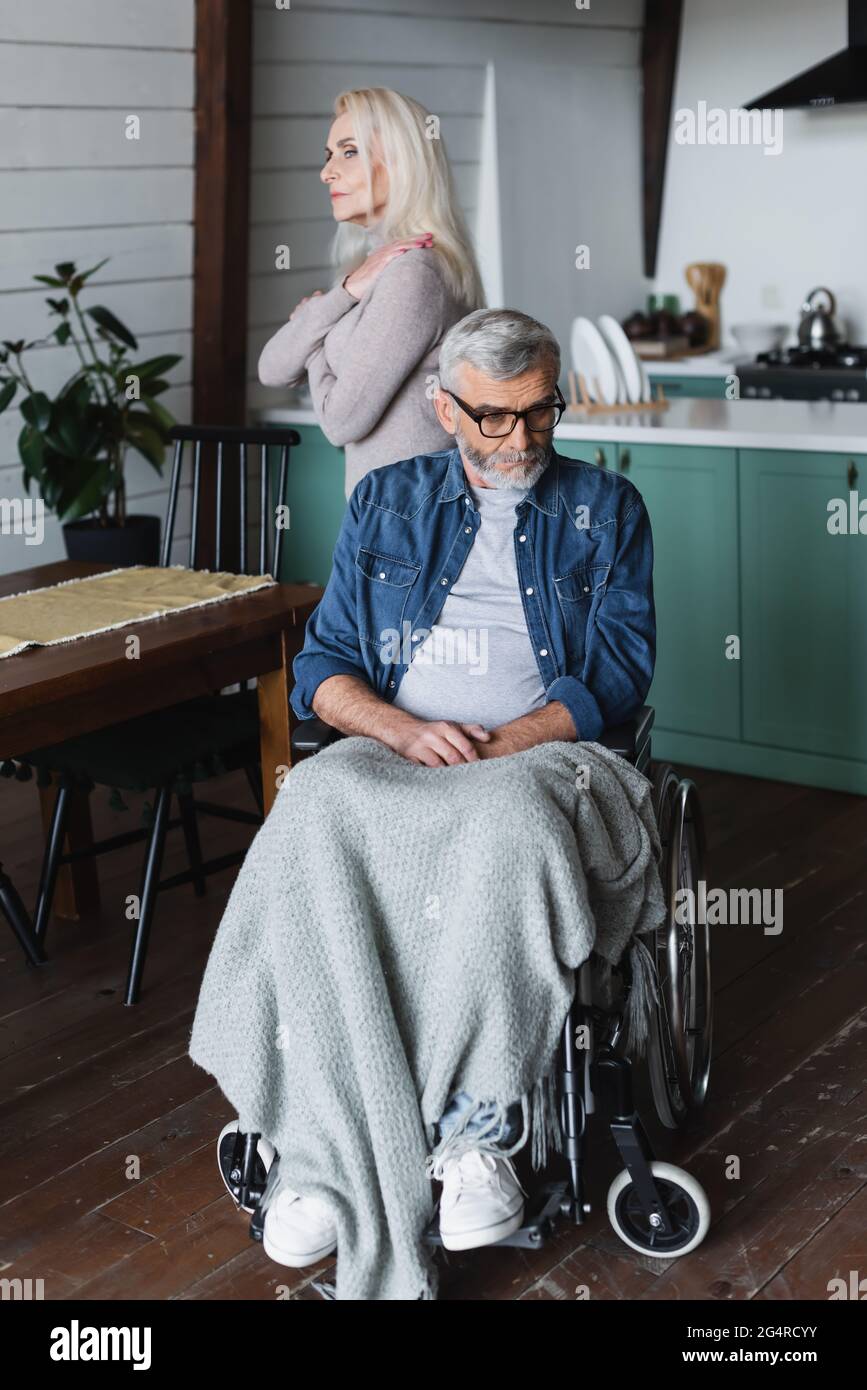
point(534, 459)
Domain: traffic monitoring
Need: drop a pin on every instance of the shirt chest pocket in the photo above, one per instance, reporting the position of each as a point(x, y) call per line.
point(384, 583)
point(577, 592)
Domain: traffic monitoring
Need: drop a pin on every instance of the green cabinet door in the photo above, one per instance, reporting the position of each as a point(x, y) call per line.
point(602, 452)
point(691, 498)
point(804, 604)
point(317, 501)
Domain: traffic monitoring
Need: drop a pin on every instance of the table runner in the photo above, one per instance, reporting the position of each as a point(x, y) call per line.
point(100, 602)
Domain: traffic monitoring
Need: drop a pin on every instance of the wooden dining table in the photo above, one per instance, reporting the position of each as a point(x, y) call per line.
point(51, 693)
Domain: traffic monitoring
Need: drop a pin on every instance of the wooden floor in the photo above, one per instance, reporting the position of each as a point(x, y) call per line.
point(86, 1083)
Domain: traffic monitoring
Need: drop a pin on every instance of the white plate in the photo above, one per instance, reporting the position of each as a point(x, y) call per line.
point(624, 355)
point(591, 358)
point(646, 389)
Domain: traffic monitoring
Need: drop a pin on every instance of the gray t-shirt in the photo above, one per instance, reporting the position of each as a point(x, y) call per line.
point(477, 665)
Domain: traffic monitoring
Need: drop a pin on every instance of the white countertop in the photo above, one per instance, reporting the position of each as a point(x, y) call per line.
point(811, 426)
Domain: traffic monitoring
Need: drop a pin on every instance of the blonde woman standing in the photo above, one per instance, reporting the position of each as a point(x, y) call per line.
point(407, 272)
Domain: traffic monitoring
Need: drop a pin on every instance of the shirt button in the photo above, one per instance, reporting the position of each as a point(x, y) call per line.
point(528, 591)
point(522, 538)
point(467, 501)
point(382, 574)
point(391, 685)
point(587, 588)
point(444, 581)
point(544, 651)
point(468, 529)
point(416, 637)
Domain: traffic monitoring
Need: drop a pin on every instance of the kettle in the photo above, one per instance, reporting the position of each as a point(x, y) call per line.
point(818, 327)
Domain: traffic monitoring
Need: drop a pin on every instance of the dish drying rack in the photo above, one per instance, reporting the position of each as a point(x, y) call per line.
point(580, 402)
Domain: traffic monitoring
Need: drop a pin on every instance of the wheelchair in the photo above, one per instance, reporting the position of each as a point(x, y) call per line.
point(656, 1208)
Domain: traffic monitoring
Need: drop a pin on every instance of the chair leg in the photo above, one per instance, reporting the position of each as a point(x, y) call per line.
point(254, 777)
point(51, 860)
point(16, 913)
point(187, 808)
point(150, 888)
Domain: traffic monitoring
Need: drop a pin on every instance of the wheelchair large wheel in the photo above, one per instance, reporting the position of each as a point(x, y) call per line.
point(686, 1206)
point(679, 1047)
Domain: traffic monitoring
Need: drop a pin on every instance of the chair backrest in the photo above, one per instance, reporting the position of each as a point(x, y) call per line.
point(230, 445)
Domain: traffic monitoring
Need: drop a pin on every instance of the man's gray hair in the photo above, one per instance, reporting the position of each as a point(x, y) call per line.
point(502, 343)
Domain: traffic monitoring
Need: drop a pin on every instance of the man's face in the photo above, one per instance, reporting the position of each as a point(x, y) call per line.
point(519, 459)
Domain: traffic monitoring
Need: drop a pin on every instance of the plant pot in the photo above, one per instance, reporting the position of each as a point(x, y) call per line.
point(135, 543)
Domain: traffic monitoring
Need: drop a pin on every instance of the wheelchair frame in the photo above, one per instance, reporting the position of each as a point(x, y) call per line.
point(657, 1209)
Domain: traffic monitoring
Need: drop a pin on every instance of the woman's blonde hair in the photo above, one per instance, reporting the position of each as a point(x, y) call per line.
point(421, 191)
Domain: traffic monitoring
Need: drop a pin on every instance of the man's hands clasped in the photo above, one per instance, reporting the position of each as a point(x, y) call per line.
point(441, 743)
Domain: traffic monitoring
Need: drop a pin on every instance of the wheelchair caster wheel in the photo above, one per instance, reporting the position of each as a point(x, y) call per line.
point(685, 1202)
point(230, 1162)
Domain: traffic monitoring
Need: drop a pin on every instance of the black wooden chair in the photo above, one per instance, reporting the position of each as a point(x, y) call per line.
point(171, 750)
point(13, 909)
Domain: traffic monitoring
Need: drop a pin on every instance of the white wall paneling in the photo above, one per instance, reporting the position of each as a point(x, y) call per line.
point(74, 187)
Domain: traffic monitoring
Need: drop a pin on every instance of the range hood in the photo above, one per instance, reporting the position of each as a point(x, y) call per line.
point(841, 78)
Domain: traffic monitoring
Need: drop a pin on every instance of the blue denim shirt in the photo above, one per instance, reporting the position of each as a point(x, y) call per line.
point(584, 554)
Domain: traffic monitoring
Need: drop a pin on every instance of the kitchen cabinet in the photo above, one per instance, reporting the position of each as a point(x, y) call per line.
point(317, 501)
point(804, 604)
point(691, 499)
point(602, 452)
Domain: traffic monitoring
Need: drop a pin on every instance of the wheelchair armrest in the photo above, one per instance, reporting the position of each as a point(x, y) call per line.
point(628, 738)
point(311, 735)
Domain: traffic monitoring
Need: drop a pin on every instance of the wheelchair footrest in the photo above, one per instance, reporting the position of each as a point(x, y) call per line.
point(538, 1224)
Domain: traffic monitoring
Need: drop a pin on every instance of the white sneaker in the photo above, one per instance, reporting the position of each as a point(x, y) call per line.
point(481, 1200)
point(298, 1230)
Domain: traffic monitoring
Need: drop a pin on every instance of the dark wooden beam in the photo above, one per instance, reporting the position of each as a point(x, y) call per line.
point(662, 22)
point(224, 55)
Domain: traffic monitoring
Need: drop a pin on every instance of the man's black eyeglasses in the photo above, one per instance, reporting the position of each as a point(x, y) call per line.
point(496, 424)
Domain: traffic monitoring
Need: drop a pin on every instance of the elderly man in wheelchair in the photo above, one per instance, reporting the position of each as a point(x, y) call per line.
point(484, 601)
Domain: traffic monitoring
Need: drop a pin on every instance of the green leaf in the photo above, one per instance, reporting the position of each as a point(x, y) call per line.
point(77, 428)
point(164, 420)
point(50, 280)
point(148, 441)
point(36, 409)
point(63, 333)
point(65, 270)
point(6, 394)
point(76, 395)
point(84, 489)
point(31, 448)
point(86, 274)
point(106, 319)
point(156, 388)
point(58, 306)
point(154, 366)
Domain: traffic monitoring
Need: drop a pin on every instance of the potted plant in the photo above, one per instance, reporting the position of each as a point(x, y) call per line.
point(74, 447)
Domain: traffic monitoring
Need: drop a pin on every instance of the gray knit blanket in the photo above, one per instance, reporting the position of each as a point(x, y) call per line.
point(397, 933)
